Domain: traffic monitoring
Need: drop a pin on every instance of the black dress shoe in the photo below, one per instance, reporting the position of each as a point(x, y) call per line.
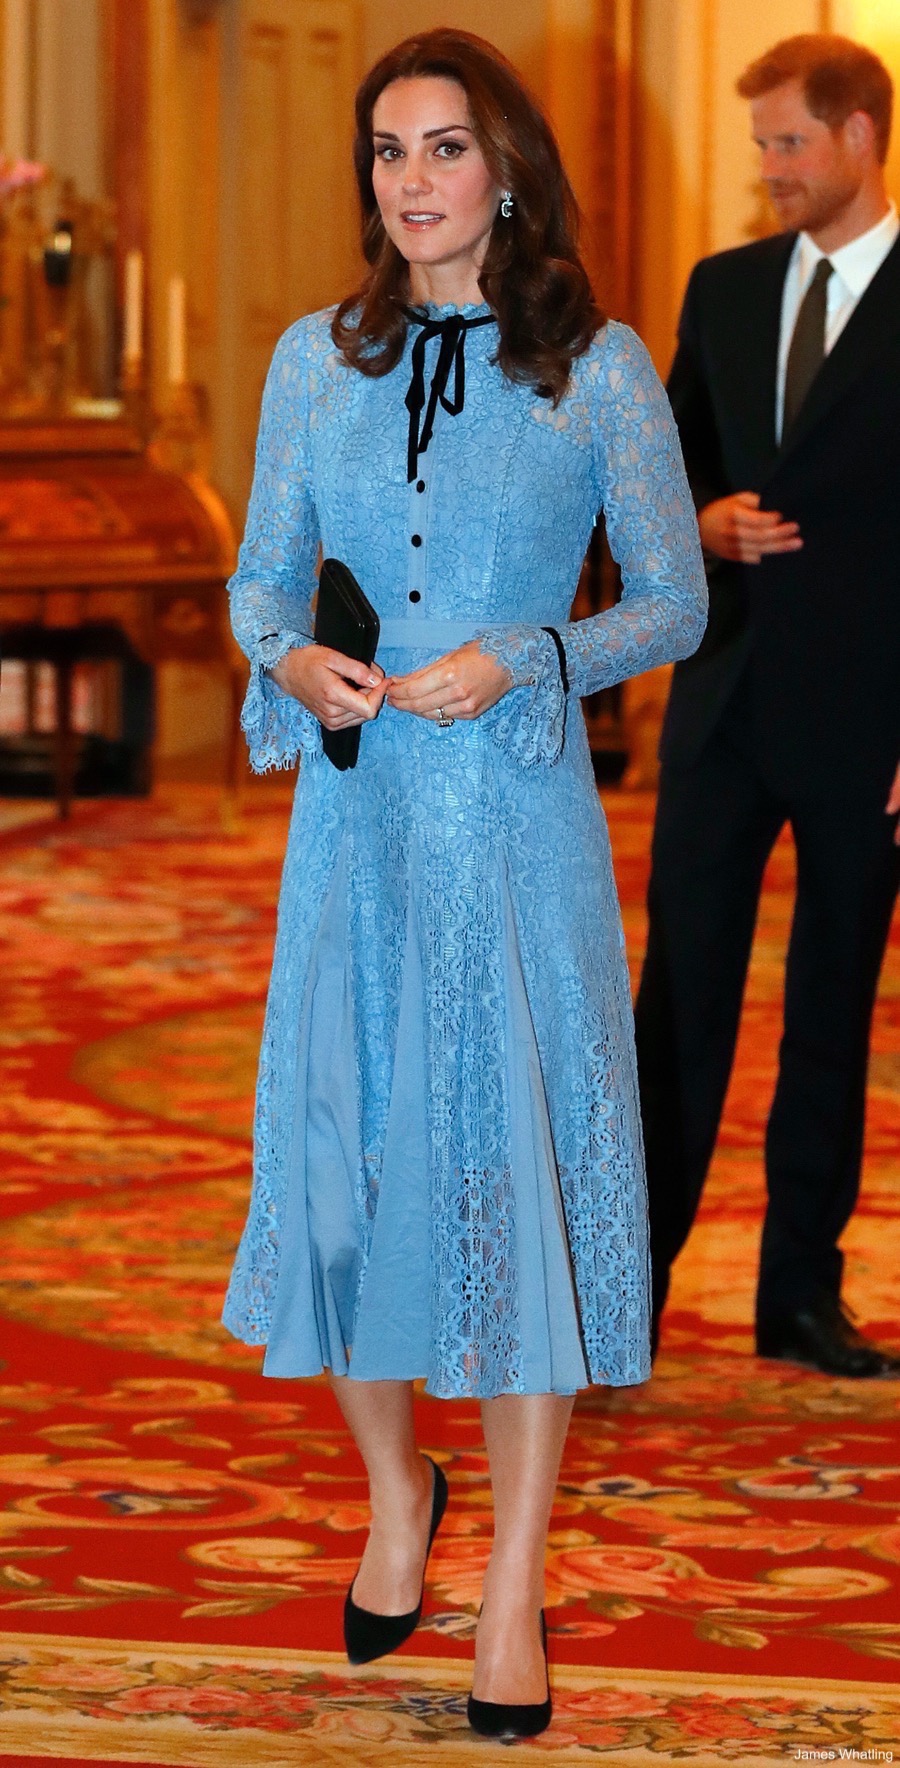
point(821, 1336)
point(367, 1635)
point(493, 1718)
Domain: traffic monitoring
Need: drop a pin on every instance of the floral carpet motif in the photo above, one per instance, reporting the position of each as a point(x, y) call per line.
point(725, 1559)
point(196, 1705)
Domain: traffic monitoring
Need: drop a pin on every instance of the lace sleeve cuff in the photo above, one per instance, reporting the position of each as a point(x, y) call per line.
point(278, 729)
point(530, 720)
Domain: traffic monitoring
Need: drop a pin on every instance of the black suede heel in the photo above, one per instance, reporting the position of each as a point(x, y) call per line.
point(367, 1635)
point(491, 1718)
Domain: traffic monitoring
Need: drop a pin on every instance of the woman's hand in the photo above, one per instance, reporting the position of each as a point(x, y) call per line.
point(320, 679)
point(463, 684)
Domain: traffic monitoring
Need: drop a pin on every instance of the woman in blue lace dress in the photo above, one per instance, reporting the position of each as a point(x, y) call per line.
point(449, 1179)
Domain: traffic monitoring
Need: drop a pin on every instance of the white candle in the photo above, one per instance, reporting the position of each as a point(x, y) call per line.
point(134, 306)
point(176, 331)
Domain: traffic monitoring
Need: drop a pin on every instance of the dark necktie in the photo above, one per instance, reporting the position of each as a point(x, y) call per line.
point(807, 351)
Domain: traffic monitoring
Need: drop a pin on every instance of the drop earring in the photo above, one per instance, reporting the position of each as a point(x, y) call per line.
point(506, 204)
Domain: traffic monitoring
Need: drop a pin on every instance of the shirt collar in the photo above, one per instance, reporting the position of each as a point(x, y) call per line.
point(856, 262)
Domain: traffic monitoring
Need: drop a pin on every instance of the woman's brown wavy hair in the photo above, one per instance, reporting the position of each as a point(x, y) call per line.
point(532, 276)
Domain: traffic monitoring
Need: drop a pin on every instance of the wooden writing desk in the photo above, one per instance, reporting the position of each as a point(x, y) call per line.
point(101, 546)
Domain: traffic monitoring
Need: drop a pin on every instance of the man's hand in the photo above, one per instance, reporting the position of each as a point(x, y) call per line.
point(463, 684)
point(736, 528)
point(893, 804)
point(320, 679)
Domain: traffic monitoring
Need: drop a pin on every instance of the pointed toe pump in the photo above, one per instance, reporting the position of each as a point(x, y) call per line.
point(491, 1718)
point(367, 1635)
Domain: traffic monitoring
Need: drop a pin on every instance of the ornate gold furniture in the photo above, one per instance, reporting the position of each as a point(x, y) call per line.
point(107, 553)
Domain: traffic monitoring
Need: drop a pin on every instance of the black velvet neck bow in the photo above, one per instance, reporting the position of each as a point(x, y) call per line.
point(452, 333)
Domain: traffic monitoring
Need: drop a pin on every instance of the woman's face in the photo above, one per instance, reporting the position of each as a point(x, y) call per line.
point(436, 196)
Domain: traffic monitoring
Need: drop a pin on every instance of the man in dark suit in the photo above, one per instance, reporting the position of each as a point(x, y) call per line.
point(786, 389)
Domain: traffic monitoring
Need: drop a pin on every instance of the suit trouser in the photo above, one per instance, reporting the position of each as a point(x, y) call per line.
point(716, 824)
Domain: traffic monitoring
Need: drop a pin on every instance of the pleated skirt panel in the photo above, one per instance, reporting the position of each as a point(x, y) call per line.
point(449, 1170)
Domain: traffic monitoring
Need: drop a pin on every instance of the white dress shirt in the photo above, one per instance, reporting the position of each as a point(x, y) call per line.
point(854, 266)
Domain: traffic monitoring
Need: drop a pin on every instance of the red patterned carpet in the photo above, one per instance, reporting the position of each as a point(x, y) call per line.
point(176, 1533)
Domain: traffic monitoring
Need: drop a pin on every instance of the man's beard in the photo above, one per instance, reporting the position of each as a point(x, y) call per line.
point(813, 210)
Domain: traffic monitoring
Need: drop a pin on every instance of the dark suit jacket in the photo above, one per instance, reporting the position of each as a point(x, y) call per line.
point(820, 628)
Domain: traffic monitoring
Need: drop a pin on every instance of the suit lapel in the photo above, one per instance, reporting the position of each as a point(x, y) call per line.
point(873, 324)
point(756, 358)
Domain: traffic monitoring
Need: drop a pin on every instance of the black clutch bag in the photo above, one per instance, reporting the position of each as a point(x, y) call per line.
point(345, 622)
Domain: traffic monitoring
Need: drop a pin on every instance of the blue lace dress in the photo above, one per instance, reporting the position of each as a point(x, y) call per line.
point(448, 1164)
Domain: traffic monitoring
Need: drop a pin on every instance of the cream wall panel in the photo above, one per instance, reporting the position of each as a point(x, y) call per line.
point(167, 150)
point(877, 24)
point(185, 173)
point(52, 100)
point(329, 50)
point(673, 47)
point(518, 30)
point(69, 99)
point(193, 710)
point(200, 68)
point(185, 62)
point(4, 75)
point(15, 16)
point(289, 212)
point(673, 50)
point(268, 128)
point(581, 93)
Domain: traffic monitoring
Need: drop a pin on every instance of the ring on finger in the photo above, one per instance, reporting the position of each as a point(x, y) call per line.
point(443, 721)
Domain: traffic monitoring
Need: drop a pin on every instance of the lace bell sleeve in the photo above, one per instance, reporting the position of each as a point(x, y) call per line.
point(271, 590)
point(652, 531)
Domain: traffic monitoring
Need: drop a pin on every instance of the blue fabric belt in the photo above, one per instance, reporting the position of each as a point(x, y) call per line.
point(431, 635)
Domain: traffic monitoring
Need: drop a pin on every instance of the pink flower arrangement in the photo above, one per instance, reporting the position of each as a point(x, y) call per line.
point(19, 174)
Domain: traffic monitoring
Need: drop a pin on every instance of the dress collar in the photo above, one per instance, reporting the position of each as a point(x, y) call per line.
point(449, 309)
point(450, 325)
